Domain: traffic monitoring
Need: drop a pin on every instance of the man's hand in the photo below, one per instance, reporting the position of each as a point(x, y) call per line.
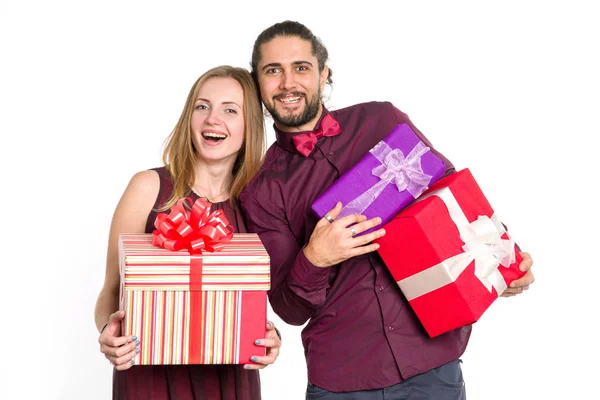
point(334, 242)
point(522, 284)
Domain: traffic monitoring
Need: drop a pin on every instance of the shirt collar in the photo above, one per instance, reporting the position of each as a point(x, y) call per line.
point(285, 139)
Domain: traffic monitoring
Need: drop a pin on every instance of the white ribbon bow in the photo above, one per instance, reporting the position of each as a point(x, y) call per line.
point(483, 243)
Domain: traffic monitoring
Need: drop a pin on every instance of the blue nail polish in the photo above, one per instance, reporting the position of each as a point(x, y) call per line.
point(246, 367)
point(137, 351)
point(257, 342)
point(134, 338)
point(253, 358)
point(132, 362)
point(137, 343)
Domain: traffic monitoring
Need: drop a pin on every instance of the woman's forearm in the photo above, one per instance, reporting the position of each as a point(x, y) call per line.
point(107, 303)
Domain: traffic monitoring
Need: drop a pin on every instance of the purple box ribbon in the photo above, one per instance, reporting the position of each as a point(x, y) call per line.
point(405, 172)
point(391, 176)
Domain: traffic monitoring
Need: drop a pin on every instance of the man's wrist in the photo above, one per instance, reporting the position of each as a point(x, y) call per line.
point(310, 257)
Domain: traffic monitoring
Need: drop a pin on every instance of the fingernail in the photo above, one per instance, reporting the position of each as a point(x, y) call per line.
point(137, 351)
point(513, 284)
point(382, 232)
point(257, 342)
point(132, 362)
point(253, 358)
point(378, 220)
point(134, 338)
point(246, 366)
point(269, 325)
point(137, 343)
point(376, 246)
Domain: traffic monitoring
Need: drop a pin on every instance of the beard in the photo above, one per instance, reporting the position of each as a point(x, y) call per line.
point(294, 120)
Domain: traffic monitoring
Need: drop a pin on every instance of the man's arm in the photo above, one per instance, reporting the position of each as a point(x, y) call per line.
point(298, 287)
point(300, 276)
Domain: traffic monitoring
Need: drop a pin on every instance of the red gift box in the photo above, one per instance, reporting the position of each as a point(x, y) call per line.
point(450, 254)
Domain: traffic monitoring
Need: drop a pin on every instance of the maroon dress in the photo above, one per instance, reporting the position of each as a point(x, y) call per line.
point(187, 382)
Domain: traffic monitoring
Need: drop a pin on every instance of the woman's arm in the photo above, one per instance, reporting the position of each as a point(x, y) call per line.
point(130, 216)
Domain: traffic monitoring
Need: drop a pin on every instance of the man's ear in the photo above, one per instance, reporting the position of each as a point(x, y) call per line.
point(323, 77)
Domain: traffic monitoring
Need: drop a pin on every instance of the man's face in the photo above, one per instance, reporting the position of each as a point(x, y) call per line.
point(290, 83)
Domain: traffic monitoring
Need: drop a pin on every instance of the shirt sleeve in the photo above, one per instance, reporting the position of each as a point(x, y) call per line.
point(402, 118)
point(298, 287)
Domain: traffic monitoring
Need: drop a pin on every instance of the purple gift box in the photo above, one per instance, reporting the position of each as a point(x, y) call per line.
point(387, 179)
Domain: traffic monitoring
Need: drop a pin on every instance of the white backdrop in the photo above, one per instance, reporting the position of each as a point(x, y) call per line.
point(89, 91)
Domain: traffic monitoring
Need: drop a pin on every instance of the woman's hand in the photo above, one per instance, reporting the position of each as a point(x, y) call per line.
point(272, 342)
point(119, 350)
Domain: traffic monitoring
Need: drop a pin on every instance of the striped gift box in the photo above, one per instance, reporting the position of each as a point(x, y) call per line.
point(194, 309)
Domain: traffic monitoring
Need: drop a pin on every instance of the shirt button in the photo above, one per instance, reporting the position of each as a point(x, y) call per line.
point(330, 153)
point(390, 328)
point(381, 288)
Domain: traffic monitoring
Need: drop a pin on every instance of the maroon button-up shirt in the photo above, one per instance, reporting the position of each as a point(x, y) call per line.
point(361, 332)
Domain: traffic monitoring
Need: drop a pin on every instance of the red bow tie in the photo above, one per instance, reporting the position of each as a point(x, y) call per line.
point(305, 142)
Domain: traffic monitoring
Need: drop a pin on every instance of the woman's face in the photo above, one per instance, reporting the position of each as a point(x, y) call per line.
point(218, 120)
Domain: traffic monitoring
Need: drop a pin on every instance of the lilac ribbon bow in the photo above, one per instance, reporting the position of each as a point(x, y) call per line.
point(405, 172)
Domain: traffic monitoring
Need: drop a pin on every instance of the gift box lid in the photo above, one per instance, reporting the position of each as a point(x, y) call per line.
point(242, 264)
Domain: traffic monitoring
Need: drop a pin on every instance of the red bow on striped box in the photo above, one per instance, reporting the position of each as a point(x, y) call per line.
point(194, 230)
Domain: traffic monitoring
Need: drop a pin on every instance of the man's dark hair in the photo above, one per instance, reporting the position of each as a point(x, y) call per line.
point(290, 28)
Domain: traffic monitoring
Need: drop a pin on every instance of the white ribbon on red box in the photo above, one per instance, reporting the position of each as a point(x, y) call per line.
point(483, 243)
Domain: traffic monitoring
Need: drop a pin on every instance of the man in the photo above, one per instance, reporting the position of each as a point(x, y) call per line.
point(362, 340)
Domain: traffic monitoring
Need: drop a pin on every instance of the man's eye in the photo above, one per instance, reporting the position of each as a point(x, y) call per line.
point(302, 68)
point(272, 70)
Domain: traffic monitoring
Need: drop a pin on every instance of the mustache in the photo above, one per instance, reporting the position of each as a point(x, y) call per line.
point(282, 95)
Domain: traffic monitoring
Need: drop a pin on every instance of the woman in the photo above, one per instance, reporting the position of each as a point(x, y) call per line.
point(214, 150)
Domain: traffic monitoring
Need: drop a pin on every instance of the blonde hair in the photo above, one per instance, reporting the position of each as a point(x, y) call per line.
point(179, 155)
